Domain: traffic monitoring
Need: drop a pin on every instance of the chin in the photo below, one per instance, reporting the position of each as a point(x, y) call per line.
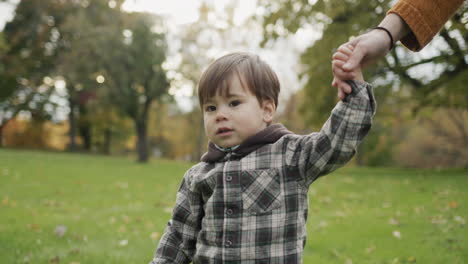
point(227, 145)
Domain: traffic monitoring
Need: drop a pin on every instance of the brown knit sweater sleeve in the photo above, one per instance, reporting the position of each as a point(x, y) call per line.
point(425, 18)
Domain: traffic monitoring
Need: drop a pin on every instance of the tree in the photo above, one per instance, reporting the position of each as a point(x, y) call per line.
point(337, 21)
point(435, 139)
point(436, 77)
point(131, 55)
point(28, 60)
point(78, 64)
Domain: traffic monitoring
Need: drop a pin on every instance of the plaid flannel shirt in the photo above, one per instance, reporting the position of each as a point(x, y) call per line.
point(253, 209)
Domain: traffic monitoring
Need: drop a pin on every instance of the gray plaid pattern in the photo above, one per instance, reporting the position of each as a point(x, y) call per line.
point(253, 210)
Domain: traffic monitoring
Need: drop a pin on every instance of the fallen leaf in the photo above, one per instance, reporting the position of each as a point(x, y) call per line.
point(444, 193)
point(74, 251)
point(74, 262)
point(340, 214)
point(123, 243)
point(348, 179)
point(60, 230)
point(26, 259)
point(459, 219)
point(397, 234)
point(126, 219)
point(412, 259)
point(393, 221)
point(370, 249)
point(5, 200)
point(155, 235)
point(34, 227)
point(438, 219)
point(322, 224)
point(349, 261)
point(418, 210)
point(149, 224)
point(386, 204)
point(54, 260)
point(122, 229)
point(121, 185)
point(453, 204)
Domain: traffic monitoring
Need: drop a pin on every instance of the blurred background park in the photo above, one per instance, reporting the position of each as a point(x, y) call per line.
point(99, 118)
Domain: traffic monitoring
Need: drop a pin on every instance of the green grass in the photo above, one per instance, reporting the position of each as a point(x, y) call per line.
point(115, 210)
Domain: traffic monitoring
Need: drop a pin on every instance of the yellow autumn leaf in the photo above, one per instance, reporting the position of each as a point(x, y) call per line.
point(155, 235)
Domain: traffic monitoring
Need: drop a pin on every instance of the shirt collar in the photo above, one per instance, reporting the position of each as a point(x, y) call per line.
point(268, 135)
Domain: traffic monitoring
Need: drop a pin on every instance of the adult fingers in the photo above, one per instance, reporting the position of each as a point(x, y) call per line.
point(346, 49)
point(340, 56)
point(337, 68)
point(355, 58)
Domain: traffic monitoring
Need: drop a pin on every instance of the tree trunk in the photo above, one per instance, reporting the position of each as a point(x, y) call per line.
point(142, 143)
point(84, 124)
point(107, 140)
point(72, 124)
point(1, 135)
point(85, 133)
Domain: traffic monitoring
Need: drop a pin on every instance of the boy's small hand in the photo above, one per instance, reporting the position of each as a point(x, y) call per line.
point(340, 57)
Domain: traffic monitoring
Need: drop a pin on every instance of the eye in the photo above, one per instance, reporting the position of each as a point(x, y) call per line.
point(234, 103)
point(210, 108)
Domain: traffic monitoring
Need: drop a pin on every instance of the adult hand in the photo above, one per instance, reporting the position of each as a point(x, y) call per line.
point(340, 57)
point(366, 49)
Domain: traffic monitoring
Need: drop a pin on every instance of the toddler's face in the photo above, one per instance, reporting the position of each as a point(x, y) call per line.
point(231, 119)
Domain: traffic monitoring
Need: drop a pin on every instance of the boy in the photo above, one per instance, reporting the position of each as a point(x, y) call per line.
point(246, 201)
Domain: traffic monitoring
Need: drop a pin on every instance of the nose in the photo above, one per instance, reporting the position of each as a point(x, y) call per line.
point(221, 114)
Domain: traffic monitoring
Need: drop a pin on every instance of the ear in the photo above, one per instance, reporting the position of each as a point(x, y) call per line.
point(269, 110)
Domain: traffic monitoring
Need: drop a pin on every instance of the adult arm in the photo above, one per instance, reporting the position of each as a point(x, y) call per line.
point(424, 18)
point(413, 22)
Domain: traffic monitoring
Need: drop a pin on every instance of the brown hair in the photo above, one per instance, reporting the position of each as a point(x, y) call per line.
point(253, 73)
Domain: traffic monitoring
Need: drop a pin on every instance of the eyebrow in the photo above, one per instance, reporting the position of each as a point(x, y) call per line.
point(230, 95)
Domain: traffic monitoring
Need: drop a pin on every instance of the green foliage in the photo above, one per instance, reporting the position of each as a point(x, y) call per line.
point(131, 55)
point(33, 46)
point(115, 211)
point(397, 78)
point(102, 53)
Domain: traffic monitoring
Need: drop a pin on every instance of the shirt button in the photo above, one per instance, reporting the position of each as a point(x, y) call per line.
point(228, 243)
point(229, 212)
point(228, 178)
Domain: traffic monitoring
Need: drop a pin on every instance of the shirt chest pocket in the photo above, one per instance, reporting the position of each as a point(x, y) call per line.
point(261, 191)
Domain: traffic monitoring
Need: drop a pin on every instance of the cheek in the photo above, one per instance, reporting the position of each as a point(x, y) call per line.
point(206, 123)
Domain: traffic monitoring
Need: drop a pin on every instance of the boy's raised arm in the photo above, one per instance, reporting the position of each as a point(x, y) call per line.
point(320, 153)
point(177, 245)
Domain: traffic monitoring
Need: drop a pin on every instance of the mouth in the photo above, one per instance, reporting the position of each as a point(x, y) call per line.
point(224, 131)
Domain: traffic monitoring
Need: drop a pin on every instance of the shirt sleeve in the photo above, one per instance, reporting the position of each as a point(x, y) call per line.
point(320, 153)
point(178, 243)
point(425, 18)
